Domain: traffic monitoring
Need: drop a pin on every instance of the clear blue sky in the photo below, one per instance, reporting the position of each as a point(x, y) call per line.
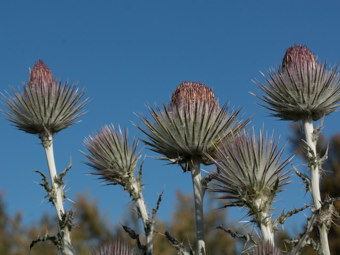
point(130, 53)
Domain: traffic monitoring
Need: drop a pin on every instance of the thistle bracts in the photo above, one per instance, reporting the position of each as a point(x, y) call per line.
point(111, 156)
point(250, 175)
point(115, 161)
point(266, 248)
point(301, 88)
point(190, 126)
point(116, 247)
point(45, 106)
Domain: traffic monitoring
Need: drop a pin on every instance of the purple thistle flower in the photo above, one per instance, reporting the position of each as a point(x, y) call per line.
point(302, 88)
point(190, 126)
point(45, 106)
point(40, 75)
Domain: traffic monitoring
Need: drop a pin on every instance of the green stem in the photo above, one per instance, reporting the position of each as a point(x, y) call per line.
point(198, 198)
point(57, 193)
point(315, 180)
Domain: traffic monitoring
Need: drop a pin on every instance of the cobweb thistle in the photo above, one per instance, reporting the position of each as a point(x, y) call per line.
point(250, 175)
point(111, 156)
point(304, 90)
point(115, 161)
point(190, 126)
point(186, 131)
point(45, 106)
point(301, 88)
point(116, 247)
point(266, 248)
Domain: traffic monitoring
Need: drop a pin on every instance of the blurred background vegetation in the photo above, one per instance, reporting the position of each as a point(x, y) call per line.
point(93, 229)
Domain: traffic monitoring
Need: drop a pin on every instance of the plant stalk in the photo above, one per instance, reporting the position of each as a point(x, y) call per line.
point(198, 199)
point(267, 233)
point(57, 197)
point(148, 228)
point(311, 140)
point(264, 222)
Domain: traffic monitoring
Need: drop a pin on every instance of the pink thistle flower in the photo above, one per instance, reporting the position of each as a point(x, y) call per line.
point(302, 88)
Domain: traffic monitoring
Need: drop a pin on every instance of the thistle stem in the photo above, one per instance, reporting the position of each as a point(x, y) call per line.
point(148, 227)
point(311, 140)
point(264, 222)
point(198, 198)
point(314, 168)
point(267, 233)
point(57, 197)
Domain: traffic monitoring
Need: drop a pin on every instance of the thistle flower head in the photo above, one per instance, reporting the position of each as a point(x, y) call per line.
point(266, 248)
point(250, 172)
point(192, 93)
point(115, 248)
point(40, 75)
point(302, 88)
point(298, 55)
point(190, 126)
point(111, 156)
point(44, 107)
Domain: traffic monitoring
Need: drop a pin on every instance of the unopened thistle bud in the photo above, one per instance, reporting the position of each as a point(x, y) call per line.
point(45, 107)
point(298, 56)
point(302, 88)
point(266, 248)
point(111, 156)
point(250, 171)
point(40, 75)
point(190, 126)
point(192, 93)
point(115, 248)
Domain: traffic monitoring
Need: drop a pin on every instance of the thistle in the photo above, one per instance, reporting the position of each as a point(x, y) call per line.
point(115, 248)
point(266, 248)
point(304, 90)
point(190, 126)
point(111, 156)
point(250, 175)
point(115, 161)
point(186, 131)
point(46, 107)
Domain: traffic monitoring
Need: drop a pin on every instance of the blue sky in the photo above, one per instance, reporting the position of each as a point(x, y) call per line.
point(131, 53)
